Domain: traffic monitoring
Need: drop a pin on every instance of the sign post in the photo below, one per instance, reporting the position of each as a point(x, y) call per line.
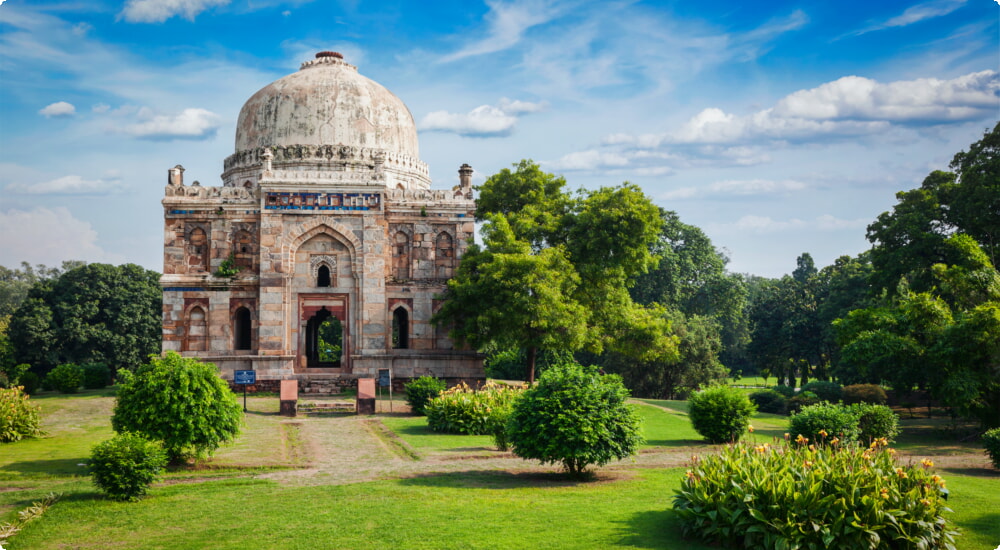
point(385, 380)
point(245, 378)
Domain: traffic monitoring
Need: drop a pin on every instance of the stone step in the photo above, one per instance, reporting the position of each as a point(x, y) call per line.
point(327, 408)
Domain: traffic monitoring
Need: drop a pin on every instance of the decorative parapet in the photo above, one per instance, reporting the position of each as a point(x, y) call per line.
point(328, 156)
point(180, 193)
point(457, 196)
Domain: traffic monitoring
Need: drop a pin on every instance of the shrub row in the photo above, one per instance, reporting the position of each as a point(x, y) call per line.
point(991, 441)
point(422, 390)
point(784, 399)
point(797, 495)
point(464, 410)
point(861, 421)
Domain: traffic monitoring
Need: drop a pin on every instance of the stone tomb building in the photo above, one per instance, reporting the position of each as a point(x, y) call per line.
point(324, 253)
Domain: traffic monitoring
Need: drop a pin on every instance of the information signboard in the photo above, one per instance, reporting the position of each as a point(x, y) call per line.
point(245, 377)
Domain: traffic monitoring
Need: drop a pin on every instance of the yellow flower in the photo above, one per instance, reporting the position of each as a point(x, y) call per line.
point(901, 473)
point(885, 493)
point(750, 428)
point(925, 502)
point(927, 463)
point(823, 433)
point(834, 441)
point(807, 463)
point(801, 440)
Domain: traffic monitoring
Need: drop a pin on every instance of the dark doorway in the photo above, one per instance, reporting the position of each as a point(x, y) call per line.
point(242, 330)
point(400, 329)
point(324, 340)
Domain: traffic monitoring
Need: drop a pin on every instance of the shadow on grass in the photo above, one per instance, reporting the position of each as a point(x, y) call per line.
point(500, 479)
point(64, 467)
point(656, 529)
point(676, 443)
point(973, 472)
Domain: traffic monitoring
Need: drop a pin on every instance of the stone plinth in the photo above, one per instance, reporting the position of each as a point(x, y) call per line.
point(366, 396)
point(289, 397)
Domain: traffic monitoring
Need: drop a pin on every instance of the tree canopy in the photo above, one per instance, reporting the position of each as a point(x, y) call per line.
point(93, 313)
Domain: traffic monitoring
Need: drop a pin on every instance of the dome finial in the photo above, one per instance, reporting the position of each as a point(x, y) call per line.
point(329, 54)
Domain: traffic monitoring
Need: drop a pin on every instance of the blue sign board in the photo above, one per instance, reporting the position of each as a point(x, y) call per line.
point(383, 377)
point(245, 377)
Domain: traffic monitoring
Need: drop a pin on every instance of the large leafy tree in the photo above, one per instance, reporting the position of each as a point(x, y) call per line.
point(15, 283)
point(974, 198)
point(94, 313)
point(554, 269)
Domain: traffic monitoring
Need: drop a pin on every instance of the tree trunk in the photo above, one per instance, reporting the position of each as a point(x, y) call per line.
point(532, 351)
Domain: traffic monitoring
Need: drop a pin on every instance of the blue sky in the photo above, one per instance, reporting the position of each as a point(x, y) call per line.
point(777, 127)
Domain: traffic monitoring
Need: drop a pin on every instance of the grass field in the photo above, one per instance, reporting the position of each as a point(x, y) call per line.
point(389, 482)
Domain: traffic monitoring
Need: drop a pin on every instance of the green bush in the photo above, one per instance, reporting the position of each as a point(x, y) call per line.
point(836, 420)
point(96, 376)
point(787, 391)
point(124, 466)
point(801, 496)
point(30, 382)
point(463, 410)
point(66, 378)
point(769, 401)
point(422, 390)
point(720, 414)
point(179, 401)
point(876, 421)
point(18, 417)
point(574, 416)
point(11, 374)
point(802, 399)
point(991, 442)
point(826, 391)
point(865, 393)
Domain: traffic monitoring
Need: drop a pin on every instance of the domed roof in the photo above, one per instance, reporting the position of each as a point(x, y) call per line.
point(327, 103)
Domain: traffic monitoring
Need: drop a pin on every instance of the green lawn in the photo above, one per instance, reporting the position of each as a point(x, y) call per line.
point(506, 504)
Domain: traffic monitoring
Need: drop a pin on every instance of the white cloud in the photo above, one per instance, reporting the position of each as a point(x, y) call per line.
point(158, 11)
point(192, 123)
point(100, 108)
point(765, 224)
point(69, 185)
point(483, 121)
point(915, 14)
point(851, 106)
point(589, 160)
point(506, 24)
point(736, 188)
point(49, 236)
point(59, 109)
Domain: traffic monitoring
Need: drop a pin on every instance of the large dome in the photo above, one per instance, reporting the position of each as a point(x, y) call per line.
point(327, 103)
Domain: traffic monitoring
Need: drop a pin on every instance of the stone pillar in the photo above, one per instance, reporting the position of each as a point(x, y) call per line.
point(289, 397)
point(465, 176)
point(366, 396)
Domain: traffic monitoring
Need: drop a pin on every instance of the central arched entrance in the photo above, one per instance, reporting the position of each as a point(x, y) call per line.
point(324, 340)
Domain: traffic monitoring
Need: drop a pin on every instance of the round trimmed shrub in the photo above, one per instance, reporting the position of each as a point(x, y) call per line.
point(179, 401)
point(18, 417)
point(422, 390)
point(30, 382)
point(575, 416)
point(769, 401)
point(865, 393)
point(96, 376)
point(798, 496)
point(835, 419)
point(876, 421)
point(721, 414)
point(66, 378)
point(991, 442)
point(124, 466)
point(787, 391)
point(826, 391)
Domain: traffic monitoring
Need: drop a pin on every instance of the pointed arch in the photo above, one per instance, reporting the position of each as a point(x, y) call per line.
point(401, 255)
point(322, 225)
point(444, 255)
point(242, 329)
point(196, 335)
point(400, 328)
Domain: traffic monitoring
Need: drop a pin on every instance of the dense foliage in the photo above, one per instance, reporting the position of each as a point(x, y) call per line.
point(769, 401)
point(824, 421)
point(181, 402)
point(65, 378)
point(554, 269)
point(865, 393)
point(824, 390)
point(92, 313)
point(96, 376)
point(876, 422)
point(19, 418)
point(124, 466)
point(721, 414)
point(422, 390)
point(799, 495)
point(464, 410)
point(576, 417)
point(991, 442)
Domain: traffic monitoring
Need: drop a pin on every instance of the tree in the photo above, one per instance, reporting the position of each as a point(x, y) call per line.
point(96, 313)
point(576, 417)
point(15, 283)
point(974, 199)
point(968, 353)
point(181, 402)
point(554, 270)
point(506, 294)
